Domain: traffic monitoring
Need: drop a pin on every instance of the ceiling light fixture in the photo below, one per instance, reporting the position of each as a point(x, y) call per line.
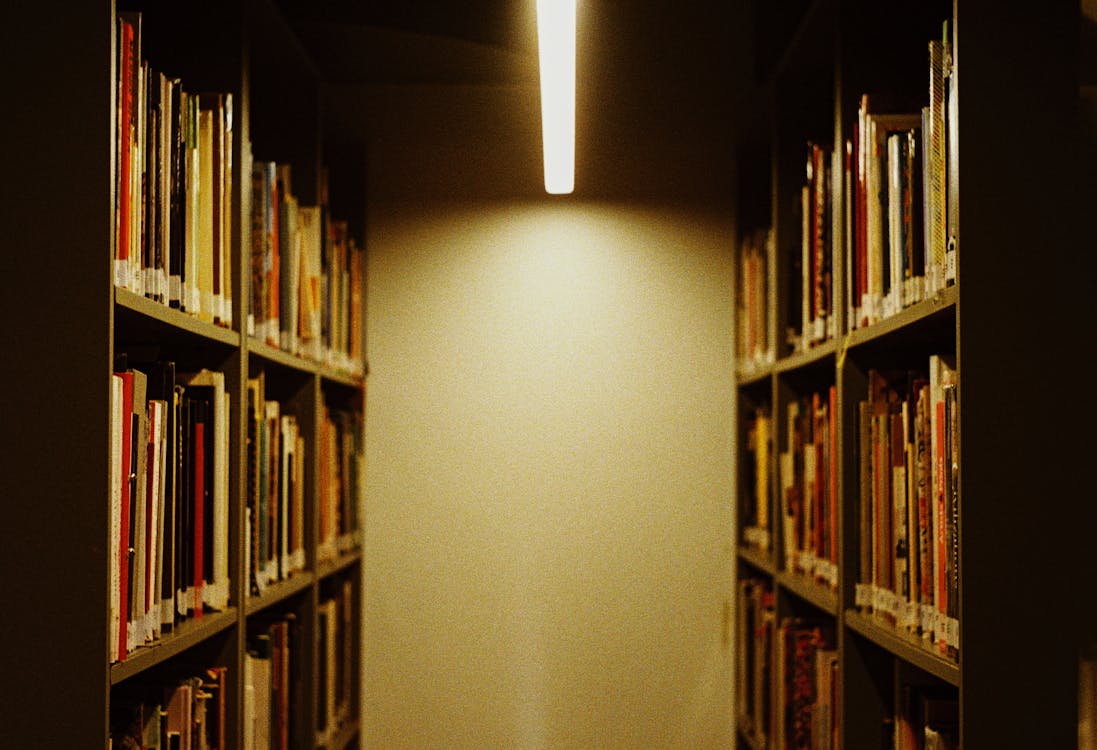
point(556, 50)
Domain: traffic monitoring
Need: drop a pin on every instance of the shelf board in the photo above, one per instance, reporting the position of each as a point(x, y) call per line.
point(343, 736)
point(757, 559)
point(277, 356)
point(152, 314)
point(812, 356)
point(810, 591)
point(280, 591)
point(943, 300)
point(752, 374)
point(190, 633)
point(326, 568)
point(341, 378)
point(904, 647)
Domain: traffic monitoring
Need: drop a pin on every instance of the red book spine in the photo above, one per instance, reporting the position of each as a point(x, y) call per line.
point(199, 512)
point(818, 262)
point(125, 141)
point(939, 499)
point(832, 471)
point(150, 498)
point(818, 496)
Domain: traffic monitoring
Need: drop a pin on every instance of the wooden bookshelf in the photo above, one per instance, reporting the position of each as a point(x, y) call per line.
point(68, 324)
point(1012, 321)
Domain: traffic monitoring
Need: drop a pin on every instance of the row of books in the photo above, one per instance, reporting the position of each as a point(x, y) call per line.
point(754, 481)
point(816, 301)
point(336, 640)
point(898, 211)
point(755, 626)
point(185, 714)
point(809, 487)
point(268, 685)
point(901, 226)
point(174, 206)
point(927, 718)
point(908, 513)
point(341, 456)
point(787, 683)
point(276, 491)
point(173, 186)
point(169, 500)
point(753, 346)
point(306, 274)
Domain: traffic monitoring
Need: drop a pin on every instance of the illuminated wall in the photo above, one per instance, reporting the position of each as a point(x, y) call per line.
point(548, 508)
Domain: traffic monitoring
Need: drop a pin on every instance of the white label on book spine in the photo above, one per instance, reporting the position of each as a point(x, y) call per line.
point(121, 273)
point(175, 288)
point(952, 633)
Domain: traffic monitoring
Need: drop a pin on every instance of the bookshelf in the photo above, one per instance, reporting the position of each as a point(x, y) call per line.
point(71, 323)
point(1023, 515)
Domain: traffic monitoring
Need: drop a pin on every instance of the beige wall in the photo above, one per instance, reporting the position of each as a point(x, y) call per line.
point(548, 507)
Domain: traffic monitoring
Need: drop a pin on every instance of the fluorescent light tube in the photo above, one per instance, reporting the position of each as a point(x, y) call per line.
point(556, 49)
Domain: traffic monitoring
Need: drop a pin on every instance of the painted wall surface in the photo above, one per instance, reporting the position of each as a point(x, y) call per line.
point(548, 510)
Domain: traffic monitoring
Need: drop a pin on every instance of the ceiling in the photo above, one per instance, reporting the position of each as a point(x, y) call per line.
point(445, 94)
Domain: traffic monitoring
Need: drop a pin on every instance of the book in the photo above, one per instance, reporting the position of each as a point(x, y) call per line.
point(130, 528)
point(209, 386)
point(754, 479)
point(117, 407)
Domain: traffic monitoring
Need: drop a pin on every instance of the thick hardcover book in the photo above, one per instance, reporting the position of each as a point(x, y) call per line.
point(154, 516)
point(191, 170)
point(952, 145)
point(178, 715)
point(117, 405)
point(274, 493)
point(864, 508)
point(289, 254)
point(129, 60)
point(297, 513)
point(259, 659)
point(257, 314)
point(208, 199)
point(209, 386)
point(138, 517)
point(277, 187)
point(913, 243)
point(214, 105)
point(308, 221)
point(227, 193)
point(133, 400)
point(884, 257)
point(256, 391)
point(941, 374)
point(184, 530)
point(952, 519)
point(832, 480)
point(162, 388)
point(176, 230)
point(200, 503)
point(935, 177)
